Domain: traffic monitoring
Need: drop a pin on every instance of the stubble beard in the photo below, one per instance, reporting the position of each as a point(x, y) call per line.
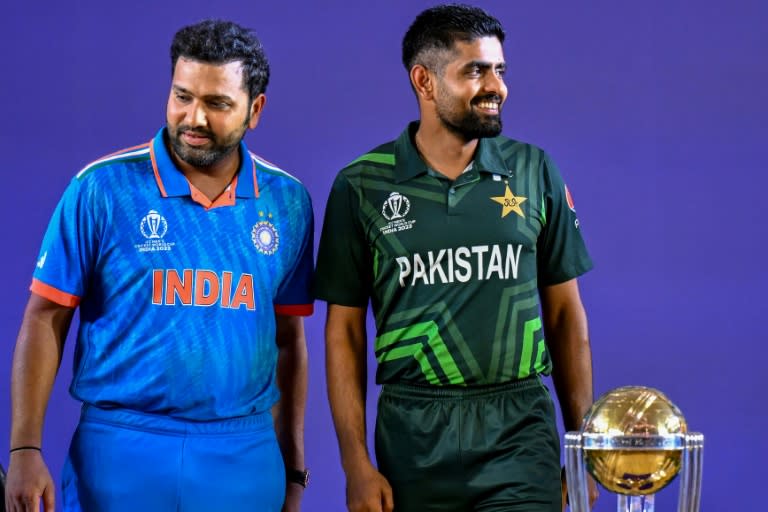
point(469, 125)
point(205, 157)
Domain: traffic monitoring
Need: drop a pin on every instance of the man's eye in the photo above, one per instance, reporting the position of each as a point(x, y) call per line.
point(182, 98)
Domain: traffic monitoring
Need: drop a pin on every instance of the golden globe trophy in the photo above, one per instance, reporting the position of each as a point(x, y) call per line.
point(634, 441)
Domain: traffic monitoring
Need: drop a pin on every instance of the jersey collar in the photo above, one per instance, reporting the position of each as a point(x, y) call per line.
point(172, 183)
point(408, 162)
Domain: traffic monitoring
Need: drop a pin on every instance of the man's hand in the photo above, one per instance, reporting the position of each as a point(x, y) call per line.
point(368, 491)
point(293, 495)
point(591, 490)
point(27, 482)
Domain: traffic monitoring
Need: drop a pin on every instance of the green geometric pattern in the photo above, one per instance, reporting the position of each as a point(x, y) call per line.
point(529, 328)
point(431, 332)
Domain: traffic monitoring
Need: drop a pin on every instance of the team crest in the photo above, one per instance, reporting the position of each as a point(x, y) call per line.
point(510, 202)
point(265, 237)
point(395, 208)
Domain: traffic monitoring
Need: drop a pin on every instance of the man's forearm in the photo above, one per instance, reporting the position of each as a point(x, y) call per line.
point(565, 327)
point(292, 382)
point(572, 376)
point(36, 361)
point(347, 397)
point(346, 373)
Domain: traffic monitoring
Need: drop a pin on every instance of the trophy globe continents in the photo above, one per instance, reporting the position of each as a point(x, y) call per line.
point(634, 441)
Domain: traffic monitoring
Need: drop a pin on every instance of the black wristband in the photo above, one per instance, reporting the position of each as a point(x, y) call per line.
point(297, 476)
point(19, 448)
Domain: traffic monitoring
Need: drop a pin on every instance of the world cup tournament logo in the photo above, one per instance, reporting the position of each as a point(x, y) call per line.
point(153, 225)
point(396, 206)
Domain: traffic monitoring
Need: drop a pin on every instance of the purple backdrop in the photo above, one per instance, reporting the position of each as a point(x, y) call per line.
point(654, 111)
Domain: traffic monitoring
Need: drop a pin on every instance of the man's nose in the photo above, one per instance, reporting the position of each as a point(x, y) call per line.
point(196, 115)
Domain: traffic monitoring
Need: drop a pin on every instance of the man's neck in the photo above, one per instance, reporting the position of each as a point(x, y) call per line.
point(444, 151)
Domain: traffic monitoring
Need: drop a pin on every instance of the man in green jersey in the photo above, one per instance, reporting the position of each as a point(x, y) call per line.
point(468, 247)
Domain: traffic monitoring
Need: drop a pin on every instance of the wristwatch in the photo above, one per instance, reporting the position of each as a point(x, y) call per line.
point(297, 476)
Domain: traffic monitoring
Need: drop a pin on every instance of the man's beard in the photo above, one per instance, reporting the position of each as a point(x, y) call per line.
point(470, 125)
point(205, 157)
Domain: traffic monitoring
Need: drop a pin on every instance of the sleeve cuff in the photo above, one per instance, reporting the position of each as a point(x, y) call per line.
point(54, 294)
point(294, 309)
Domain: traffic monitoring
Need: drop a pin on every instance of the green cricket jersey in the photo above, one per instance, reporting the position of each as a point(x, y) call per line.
point(452, 268)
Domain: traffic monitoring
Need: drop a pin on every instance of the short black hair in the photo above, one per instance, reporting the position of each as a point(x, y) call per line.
point(221, 42)
point(439, 27)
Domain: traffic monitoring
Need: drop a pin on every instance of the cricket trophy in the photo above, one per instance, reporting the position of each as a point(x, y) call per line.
point(634, 441)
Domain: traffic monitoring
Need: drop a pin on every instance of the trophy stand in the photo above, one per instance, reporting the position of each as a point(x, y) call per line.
point(634, 441)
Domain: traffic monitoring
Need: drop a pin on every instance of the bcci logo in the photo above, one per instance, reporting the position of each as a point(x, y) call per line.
point(265, 238)
point(153, 225)
point(396, 206)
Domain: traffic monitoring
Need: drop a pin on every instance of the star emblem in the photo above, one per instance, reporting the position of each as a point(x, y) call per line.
point(510, 202)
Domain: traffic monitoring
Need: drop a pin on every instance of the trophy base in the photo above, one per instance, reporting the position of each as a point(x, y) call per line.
point(690, 477)
point(635, 503)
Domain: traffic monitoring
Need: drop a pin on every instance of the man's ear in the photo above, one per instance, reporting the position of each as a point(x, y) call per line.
point(257, 107)
point(423, 82)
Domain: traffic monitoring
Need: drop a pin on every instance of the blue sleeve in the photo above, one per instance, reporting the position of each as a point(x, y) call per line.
point(69, 249)
point(294, 296)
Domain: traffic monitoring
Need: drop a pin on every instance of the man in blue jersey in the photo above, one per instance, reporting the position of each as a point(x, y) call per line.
point(190, 259)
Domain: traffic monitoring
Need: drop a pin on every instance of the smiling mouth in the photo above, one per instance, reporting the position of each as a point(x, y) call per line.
point(491, 106)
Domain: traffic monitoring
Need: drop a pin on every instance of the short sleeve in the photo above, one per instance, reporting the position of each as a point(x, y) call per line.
point(69, 249)
point(294, 295)
point(562, 254)
point(344, 267)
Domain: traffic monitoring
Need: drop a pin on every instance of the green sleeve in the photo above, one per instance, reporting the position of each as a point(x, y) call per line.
point(562, 254)
point(344, 272)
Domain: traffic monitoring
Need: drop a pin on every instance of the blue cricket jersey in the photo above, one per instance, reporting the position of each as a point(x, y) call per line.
point(178, 294)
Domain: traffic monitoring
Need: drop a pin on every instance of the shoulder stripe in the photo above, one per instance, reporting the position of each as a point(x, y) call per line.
point(135, 151)
point(368, 168)
point(268, 166)
point(379, 158)
point(126, 150)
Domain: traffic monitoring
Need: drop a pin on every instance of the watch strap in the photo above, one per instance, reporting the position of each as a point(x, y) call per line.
point(297, 476)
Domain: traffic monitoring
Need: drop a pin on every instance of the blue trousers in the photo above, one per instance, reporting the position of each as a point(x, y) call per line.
point(122, 460)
